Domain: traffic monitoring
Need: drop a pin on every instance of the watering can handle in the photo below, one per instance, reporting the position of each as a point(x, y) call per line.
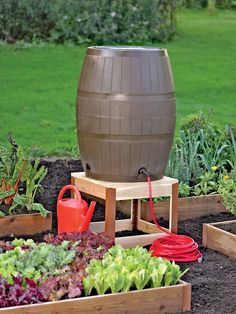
point(69, 187)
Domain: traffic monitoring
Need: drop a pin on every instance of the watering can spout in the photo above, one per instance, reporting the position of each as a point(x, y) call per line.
point(87, 218)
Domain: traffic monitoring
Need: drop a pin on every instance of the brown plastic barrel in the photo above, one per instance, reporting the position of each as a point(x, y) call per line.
point(126, 112)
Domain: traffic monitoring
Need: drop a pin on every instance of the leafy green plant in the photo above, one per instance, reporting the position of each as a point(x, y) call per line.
point(38, 261)
point(200, 147)
point(184, 163)
point(17, 167)
point(232, 147)
point(12, 166)
point(207, 184)
point(195, 122)
point(35, 176)
point(227, 189)
point(124, 269)
point(212, 155)
point(184, 189)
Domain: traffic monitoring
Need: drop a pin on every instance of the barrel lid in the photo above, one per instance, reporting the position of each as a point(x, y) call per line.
point(128, 51)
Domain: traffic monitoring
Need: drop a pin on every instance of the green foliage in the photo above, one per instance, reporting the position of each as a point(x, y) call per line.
point(101, 22)
point(184, 163)
point(222, 4)
point(184, 189)
point(12, 166)
point(34, 177)
point(225, 4)
point(122, 269)
point(213, 150)
point(207, 184)
point(204, 159)
point(201, 146)
point(195, 122)
point(39, 261)
point(232, 147)
point(227, 189)
point(16, 166)
point(190, 4)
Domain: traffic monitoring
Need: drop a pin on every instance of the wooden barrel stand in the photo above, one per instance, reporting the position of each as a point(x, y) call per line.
point(116, 191)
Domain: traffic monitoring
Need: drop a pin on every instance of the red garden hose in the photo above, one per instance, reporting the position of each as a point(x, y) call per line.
point(173, 247)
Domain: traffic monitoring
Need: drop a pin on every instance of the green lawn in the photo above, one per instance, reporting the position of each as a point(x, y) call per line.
point(38, 84)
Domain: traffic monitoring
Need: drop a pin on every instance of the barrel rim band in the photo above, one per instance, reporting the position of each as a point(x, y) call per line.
point(126, 137)
point(127, 97)
point(107, 52)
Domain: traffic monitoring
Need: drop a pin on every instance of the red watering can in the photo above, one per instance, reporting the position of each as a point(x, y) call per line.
point(73, 214)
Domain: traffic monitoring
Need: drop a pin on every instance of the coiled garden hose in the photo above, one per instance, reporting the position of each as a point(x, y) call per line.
point(173, 247)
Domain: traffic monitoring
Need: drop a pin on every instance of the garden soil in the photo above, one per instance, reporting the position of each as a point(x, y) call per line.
point(229, 227)
point(213, 280)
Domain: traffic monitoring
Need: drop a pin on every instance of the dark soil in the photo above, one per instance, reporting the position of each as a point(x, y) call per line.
point(5, 209)
point(213, 280)
point(228, 227)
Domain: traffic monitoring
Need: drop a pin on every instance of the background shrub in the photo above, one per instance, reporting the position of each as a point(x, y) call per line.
point(222, 4)
point(83, 21)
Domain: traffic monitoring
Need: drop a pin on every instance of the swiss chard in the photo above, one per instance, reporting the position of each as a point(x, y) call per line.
point(17, 166)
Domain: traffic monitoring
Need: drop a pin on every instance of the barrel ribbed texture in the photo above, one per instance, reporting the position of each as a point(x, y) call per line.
point(125, 113)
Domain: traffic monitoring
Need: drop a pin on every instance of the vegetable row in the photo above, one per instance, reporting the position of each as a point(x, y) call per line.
point(76, 264)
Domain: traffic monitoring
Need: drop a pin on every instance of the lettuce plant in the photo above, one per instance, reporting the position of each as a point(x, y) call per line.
point(18, 293)
point(38, 261)
point(124, 269)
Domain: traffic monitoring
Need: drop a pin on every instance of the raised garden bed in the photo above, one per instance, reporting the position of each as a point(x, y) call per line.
point(159, 300)
point(189, 207)
point(25, 224)
point(221, 237)
point(212, 281)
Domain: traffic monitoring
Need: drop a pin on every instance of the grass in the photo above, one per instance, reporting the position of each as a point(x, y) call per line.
point(38, 83)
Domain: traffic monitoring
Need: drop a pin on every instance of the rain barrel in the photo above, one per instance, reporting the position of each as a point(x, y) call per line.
point(126, 112)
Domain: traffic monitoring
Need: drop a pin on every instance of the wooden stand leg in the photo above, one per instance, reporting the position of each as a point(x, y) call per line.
point(173, 219)
point(72, 182)
point(135, 214)
point(110, 212)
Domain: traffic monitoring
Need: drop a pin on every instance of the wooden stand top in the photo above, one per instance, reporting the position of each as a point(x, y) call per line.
point(124, 190)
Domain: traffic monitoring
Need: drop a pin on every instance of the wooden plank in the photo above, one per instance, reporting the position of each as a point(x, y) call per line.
point(135, 213)
point(204, 235)
point(72, 182)
point(90, 188)
point(228, 222)
point(219, 240)
point(188, 208)
point(122, 224)
point(110, 212)
point(148, 301)
point(187, 295)
point(148, 227)
point(124, 190)
point(117, 185)
point(173, 214)
point(26, 224)
point(142, 240)
point(138, 192)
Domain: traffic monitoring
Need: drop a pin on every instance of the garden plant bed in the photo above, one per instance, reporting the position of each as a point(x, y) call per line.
point(189, 207)
point(221, 236)
point(158, 300)
point(25, 224)
point(212, 280)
